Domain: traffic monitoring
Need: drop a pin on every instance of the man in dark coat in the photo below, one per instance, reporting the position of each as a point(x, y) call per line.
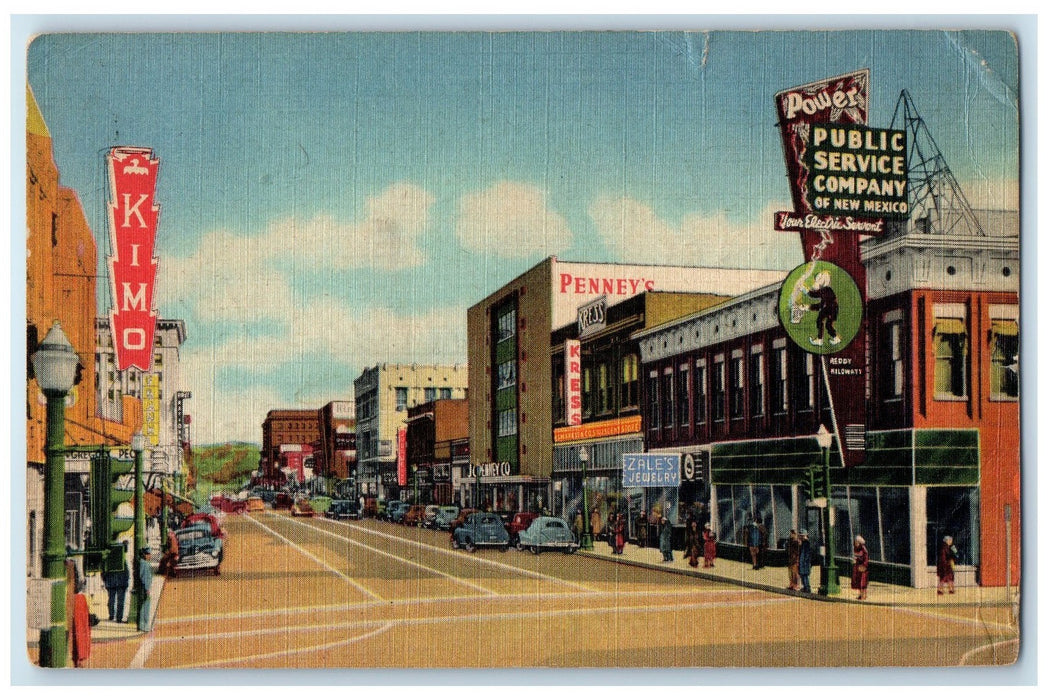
point(642, 529)
point(804, 562)
point(666, 539)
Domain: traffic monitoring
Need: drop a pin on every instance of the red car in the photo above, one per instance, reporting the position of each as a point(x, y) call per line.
point(518, 524)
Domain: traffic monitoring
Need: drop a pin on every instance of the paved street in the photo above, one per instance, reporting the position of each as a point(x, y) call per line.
point(312, 593)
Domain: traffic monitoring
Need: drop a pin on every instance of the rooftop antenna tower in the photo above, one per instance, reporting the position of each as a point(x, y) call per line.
point(937, 203)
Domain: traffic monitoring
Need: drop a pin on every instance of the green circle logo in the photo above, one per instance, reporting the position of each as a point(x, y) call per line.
point(820, 307)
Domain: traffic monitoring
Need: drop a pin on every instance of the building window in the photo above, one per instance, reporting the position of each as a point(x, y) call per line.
point(402, 398)
point(587, 392)
point(507, 324)
point(603, 389)
point(738, 385)
point(756, 382)
point(717, 389)
point(630, 387)
point(667, 398)
point(158, 359)
point(429, 394)
point(684, 396)
point(1004, 359)
point(507, 422)
point(950, 344)
point(653, 400)
point(780, 400)
point(558, 393)
point(804, 381)
point(894, 369)
point(700, 394)
point(445, 392)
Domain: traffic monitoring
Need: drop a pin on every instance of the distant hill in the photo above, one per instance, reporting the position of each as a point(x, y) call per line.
point(227, 463)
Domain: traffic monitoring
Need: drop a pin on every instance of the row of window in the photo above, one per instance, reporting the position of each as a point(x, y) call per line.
point(950, 343)
point(607, 386)
point(429, 394)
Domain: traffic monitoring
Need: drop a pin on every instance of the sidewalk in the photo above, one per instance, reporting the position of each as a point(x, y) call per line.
point(106, 631)
point(775, 579)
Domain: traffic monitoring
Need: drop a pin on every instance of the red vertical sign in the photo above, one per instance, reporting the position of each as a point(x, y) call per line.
point(840, 100)
point(133, 218)
point(402, 456)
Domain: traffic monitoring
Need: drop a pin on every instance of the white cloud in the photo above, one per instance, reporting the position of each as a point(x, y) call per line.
point(637, 234)
point(512, 219)
point(385, 239)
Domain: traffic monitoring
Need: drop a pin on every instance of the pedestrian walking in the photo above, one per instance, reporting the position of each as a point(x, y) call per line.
point(609, 533)
point(145, 577)
point(595, 524)
point(804, 562)
point(754, 541)
point(793, 560)
point(642, 529)
point(666, 539)
point(693, 544)
point(944, 565)
point(170, 557)
point(709, 547)
point(860, 578)
point(116, 583)
point(654, 518)
point(620, 533)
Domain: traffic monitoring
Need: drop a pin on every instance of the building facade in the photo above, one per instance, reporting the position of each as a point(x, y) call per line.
point(61, 274)
point(596, 368)
point(432, 429)
point(509, 335)
point(383, 395)
point(727, 388)
point(160, 392)
point(336, 456)
point(289, 437)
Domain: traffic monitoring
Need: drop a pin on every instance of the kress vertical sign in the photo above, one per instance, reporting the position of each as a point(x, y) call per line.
point(133, 218)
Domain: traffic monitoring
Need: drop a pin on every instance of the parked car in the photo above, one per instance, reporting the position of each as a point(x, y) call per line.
point(198, 548)
point(343, 510)
point(302, 507)
point(415, 515)
point(255, 503)
point(518, 523)
point(481, 530)
point(390, 507)
point(396, 515)
point(283, 501)
point(547, 533)
point(212, 520)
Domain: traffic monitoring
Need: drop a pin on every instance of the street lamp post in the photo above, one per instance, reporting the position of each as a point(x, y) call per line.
point(586, 538)
point(829, 583)
point(54, 365)
point(138, 446)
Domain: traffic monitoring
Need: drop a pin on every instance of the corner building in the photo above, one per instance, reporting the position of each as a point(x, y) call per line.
point(942, 388)
point(509, 337)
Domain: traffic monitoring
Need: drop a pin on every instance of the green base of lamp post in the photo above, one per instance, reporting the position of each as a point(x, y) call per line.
point(586, 541)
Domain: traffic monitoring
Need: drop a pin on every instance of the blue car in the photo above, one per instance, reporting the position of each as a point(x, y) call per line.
point(481, 530)
point(198, 548)
point(399, 511)
point(547, 533)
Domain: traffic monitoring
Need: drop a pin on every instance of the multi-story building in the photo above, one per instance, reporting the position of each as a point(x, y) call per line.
point(289, 437)
point(596, 398)
point(160, 392)
point(383, 395)
point(61, 274)
point(336, 456)
point(433, 428)
point(727, 387)
point(509, 344)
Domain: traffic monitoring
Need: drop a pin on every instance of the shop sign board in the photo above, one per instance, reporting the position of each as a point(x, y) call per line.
point(695, 466)
point(650, 470)
point(572, 382)
point(490, 469)
point(857, 170)
point(402, 456)
point(133, 218)
point(593, 317)
point(598, 429)
point(151, 408)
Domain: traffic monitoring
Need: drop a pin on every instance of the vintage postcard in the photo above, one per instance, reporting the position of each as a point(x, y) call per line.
point(524, 349)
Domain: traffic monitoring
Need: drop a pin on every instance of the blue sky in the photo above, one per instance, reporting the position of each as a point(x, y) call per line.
point(334, 200)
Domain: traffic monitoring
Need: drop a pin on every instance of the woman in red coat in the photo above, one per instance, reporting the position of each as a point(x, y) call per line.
point(860, 567)
point(709, 546)
point(620, 533)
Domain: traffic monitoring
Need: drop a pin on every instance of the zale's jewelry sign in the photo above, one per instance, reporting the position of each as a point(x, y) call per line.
point(133, 218)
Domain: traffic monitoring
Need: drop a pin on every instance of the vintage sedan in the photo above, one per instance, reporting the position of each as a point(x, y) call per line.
point(198, 548)
point(547, 533)
point(444, 517)
point(302, 507)
point(481, 530)
point(518, 524)
point(343, 510)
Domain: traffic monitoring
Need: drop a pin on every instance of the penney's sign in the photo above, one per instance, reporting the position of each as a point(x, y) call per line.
point(650, 470)
point(133, 219)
